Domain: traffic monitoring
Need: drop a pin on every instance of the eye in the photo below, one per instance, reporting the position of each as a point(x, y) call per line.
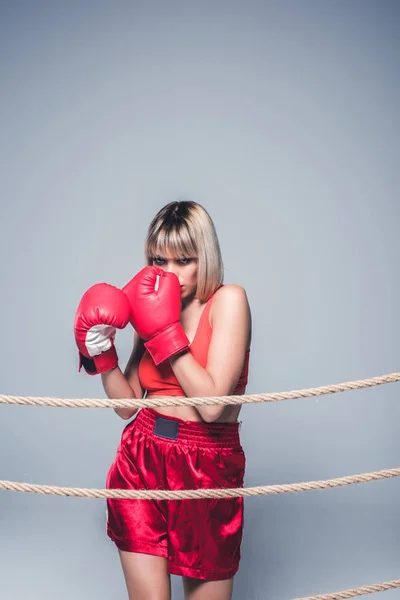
point(158, 260)
point(185, 261)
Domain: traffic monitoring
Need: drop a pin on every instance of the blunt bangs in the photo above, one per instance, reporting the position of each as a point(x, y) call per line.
point(172, 239)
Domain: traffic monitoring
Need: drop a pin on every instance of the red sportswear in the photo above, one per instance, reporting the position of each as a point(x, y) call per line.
point(200, 538)
point(161, 381)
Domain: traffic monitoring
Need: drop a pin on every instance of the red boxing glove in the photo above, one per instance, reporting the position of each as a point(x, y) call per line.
point(102, 309)
point(155, 299)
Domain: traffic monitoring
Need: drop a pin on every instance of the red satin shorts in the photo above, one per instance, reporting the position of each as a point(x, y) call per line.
point(200, 538)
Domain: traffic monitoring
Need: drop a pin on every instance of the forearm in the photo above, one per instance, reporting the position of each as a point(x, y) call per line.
point(116, 386)
point(196, 381)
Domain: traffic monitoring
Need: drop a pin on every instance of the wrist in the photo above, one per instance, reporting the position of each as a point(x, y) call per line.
point(168, 343)
point(176, 357)
point(100, 363)
point(108, 372)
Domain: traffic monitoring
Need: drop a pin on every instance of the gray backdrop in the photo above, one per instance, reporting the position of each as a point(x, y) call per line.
point(282, 118)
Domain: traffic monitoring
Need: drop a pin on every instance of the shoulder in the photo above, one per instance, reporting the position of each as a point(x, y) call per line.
point(230, 314)
point(230, 292)
point(230, 299)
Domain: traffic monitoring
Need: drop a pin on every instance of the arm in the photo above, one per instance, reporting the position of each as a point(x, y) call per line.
point(125, 385)
point(231, 323)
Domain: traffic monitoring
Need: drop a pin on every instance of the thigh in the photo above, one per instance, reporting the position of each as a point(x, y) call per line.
point(137, 525)
point(146, 576)
point(196, 589)
point(205, 534)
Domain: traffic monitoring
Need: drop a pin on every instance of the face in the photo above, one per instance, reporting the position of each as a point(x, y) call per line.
point(184, 268)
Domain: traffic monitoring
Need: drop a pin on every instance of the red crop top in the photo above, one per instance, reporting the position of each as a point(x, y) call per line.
point(161, 381)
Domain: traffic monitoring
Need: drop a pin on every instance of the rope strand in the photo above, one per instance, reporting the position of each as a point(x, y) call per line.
point(360, 591)
point(269, 490)
point(200, 401)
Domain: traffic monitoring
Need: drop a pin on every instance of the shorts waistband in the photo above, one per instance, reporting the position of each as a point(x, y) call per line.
point(198, 433)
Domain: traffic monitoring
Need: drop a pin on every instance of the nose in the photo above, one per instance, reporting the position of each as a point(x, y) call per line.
point(172, 267)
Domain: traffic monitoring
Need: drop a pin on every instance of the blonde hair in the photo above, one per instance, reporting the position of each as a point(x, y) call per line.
point(185, 229)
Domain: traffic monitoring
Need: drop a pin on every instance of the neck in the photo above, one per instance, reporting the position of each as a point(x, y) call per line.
point(189, 301)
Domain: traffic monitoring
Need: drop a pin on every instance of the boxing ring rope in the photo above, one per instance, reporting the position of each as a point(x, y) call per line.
point(201, 401)
point(360, 591)
point(214, 493)
point(261, 490)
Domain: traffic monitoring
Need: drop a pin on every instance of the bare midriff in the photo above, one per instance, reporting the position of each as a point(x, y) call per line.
point(230, 413)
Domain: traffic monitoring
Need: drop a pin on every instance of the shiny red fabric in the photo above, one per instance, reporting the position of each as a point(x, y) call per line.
point(200, 538)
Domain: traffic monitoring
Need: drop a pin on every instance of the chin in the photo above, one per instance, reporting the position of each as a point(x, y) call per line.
point(187, 294)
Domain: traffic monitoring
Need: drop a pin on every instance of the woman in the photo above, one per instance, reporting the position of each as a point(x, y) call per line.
point(192, 339)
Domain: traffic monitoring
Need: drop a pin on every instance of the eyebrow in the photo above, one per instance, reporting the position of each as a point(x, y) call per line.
point(152, 256)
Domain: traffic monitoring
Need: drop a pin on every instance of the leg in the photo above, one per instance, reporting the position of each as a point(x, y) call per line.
point(198, 589)
point(205, 535)
point(146, 576)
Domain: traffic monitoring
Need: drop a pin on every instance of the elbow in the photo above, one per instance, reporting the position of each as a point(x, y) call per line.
point(211, 413)
point(125, 413)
